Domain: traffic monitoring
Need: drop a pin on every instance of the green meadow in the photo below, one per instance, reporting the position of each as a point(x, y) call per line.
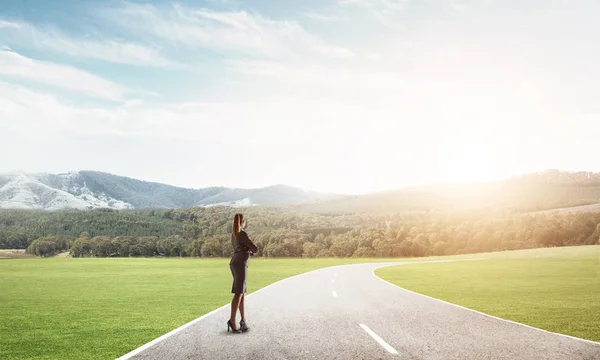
point(64, 308)
point(552, 289)
point(103, 308)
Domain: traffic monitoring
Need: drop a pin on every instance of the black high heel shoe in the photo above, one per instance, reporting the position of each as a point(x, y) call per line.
point(230, 326)
point(243, 326)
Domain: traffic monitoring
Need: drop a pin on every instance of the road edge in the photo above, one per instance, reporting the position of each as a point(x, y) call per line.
point(479, 312)
point(186, 325)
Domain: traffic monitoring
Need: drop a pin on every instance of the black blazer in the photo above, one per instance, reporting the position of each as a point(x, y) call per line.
point(242, 243)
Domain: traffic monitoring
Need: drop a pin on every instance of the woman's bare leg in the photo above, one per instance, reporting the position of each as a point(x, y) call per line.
point(235, 304)
point(242, 309)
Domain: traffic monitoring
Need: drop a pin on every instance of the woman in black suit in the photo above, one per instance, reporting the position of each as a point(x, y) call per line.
point(243, 247)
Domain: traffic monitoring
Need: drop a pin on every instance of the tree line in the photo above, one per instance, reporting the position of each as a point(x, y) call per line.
point(205, 232)
point(19, 228)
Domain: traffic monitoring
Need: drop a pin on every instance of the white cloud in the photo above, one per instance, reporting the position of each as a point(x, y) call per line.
point(324, 17)
point(446, 88)
point(22, 109)
point(383, 5)
point(133, 102)
point(384, 11)
point(25, 34)
point(233, 32)
point(335, 139)
point(9, 25)
point(361, 102)
point(373, 56)
point(266, 121)
point(61, 76)
point(337, 79)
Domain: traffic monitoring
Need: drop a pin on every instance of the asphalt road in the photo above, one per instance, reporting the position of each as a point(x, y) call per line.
point(346, 312)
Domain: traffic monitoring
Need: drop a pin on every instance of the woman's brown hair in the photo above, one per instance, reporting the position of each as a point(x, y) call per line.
point(237, 224)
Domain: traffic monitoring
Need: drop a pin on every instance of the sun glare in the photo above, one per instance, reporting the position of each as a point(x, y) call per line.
point(472, 160)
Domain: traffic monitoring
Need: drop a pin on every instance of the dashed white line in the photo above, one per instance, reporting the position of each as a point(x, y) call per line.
point(381, 342)
point(334, 294)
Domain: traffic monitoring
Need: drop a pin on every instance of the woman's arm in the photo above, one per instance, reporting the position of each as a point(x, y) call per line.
point(246, 241)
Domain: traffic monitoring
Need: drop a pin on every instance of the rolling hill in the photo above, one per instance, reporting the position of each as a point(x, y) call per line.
point(532, 192)
point(93, 189)
point(551, 189)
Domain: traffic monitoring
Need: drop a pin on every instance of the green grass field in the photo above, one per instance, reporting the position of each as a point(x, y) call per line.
point(103, 308)
point(553, 289)
point(63, 308)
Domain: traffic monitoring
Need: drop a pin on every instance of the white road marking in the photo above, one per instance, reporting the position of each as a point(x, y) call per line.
point(381, 342)
point(334, 294)
point(173, 332)
point(170, 333)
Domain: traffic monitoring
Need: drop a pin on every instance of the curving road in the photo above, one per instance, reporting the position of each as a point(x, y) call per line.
point(346, 312)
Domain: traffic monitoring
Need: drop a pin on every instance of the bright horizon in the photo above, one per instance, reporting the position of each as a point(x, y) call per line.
point(397, 187)
point(345, 96)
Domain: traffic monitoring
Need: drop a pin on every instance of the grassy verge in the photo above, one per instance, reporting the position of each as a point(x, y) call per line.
point(552, 289)
point(62, 308)
point(103, 308)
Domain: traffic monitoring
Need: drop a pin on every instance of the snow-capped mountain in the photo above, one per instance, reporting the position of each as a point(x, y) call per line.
point(24, 191)
point(91, 189)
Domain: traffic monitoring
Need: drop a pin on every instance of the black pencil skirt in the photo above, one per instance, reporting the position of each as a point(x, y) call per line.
point(239, 271)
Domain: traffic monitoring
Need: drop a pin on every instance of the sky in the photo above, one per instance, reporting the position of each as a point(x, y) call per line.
point(346, 96)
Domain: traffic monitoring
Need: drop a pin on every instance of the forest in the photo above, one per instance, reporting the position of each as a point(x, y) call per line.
point(278, 232)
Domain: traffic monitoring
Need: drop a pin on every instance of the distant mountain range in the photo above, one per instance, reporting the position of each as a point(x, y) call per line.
point(551, 189)
point(93, 189)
